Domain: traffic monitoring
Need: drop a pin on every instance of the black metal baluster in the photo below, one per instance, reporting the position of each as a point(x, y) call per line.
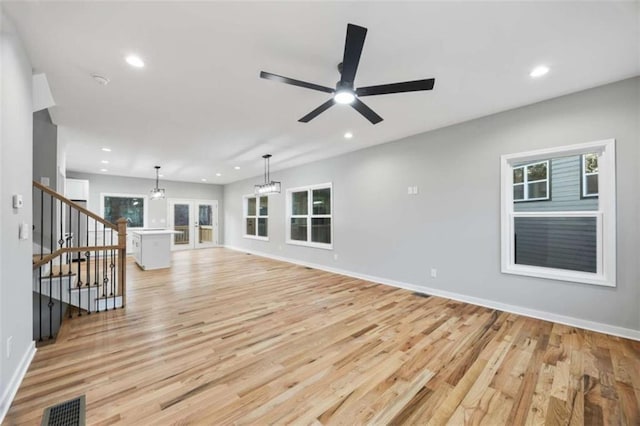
point(88, 266)
point(113, 276)
point(61, 243)
point(69, 233)
point(79, 283)
point(40, 269)
point(88, 282)
point(51, 304)
point(95, 264)
point(105, 280)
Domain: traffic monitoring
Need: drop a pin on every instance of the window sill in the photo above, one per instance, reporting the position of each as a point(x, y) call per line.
point(528, 200)
point(255, 237)
point(310, 244)
point(559, 274)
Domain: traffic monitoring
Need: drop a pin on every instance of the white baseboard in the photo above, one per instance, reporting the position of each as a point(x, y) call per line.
point(12, 387)
point(533, 313)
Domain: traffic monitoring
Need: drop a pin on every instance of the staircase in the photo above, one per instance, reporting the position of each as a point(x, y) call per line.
point(79, 262)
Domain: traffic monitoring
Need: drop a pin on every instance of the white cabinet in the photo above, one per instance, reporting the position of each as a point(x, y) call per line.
point(151, 249)
point(76, 189)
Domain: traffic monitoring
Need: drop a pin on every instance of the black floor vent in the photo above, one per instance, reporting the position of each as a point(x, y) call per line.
point(68, 413)
point(421, 295)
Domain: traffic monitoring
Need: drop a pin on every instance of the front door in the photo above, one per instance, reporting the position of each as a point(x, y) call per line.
point(195, 223)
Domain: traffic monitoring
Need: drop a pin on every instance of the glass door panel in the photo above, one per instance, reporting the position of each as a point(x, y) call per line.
point(180, 221)
point(206, 224)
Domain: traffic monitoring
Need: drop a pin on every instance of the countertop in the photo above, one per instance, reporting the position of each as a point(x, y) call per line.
point(154, 231)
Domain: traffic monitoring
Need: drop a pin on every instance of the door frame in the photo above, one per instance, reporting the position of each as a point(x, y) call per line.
point(193, 219)
point(214, 223)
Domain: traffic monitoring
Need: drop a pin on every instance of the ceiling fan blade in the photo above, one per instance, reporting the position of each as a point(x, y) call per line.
point(369, 114)
point(293, 82)
point(407, 86)
point(352, 51)
point(316, 112)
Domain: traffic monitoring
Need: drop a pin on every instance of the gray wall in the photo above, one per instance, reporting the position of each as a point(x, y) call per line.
point(157, 215)
point(453, 224)
point(45, 148)
point(15, 178)
point(45, 156)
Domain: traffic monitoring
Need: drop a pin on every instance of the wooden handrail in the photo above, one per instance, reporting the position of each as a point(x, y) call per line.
point(65, 200)
point(63, 250)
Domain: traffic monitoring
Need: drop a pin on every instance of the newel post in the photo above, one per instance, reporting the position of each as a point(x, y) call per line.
point(122, 259)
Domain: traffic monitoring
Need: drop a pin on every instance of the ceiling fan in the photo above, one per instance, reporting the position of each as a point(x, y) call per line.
point(345, 93)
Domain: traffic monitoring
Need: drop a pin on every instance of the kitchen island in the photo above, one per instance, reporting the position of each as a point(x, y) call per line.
point(152, 248)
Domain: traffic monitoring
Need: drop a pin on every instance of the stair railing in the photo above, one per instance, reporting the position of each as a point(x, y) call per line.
point(79, 264)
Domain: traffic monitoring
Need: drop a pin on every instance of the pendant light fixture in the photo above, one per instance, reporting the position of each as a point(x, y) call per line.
point(269, 186)
point(157, 193)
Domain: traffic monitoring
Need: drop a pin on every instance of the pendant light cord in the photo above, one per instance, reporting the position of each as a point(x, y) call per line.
point(267, 168)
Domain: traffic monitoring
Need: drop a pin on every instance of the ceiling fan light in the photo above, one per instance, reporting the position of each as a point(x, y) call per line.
point(344, 97)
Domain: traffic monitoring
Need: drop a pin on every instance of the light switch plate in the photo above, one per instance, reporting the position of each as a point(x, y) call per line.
point(23, 232)
point(18, 202)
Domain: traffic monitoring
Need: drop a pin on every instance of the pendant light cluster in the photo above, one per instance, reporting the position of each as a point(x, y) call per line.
point(157, 193)
point(269, 186)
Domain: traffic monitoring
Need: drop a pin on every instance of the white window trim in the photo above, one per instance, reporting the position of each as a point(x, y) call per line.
point(245, 216)
point(525, 182)
point(584, 175)
point(308, 216)
point(606, 214)
point(145, 208)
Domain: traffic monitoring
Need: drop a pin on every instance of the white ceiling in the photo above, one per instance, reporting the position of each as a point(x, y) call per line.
point(199, 108)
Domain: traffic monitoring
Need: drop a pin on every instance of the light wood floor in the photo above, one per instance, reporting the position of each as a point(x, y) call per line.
point(225, 337)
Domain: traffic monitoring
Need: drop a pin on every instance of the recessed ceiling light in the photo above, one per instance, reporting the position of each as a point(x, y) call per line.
point(237, 167)
point(134, 61)
point(218, 174)
point(105, 161)
point(539, 71)
point(203, 179)
point(348, 135)
point(106, 149)
point(104, 170)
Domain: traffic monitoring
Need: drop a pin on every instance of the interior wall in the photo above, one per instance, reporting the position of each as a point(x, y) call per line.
point(45, 148)
point(15, 178)
point(157, 213)
point(453, 224)
point(45, 157)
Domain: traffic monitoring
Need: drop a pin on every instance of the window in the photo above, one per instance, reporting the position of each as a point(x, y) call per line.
point(129, 206)
point(256, 217)
point(531, 182)
point(590, 175)
point(309, 216)
point(571, 238)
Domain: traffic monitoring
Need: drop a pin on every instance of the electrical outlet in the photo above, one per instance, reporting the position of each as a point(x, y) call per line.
point(409, 190)
point(9, 346)
point(415, 190)
point(335, 256)
point(434, 272)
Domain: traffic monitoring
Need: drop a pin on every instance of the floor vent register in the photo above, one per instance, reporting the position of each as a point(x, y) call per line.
point(68, 413)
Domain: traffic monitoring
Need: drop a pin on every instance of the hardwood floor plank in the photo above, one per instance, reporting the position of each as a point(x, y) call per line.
point(227, 338)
